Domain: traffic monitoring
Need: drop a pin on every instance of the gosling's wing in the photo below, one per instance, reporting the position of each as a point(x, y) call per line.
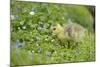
point(78, 28)
point(74, 31)
point(78, 32)
point(68, 29)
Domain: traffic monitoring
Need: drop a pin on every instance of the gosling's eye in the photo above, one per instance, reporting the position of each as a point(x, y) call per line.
point(54, 28)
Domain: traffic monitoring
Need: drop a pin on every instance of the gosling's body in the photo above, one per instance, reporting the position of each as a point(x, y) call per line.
point(74, 32)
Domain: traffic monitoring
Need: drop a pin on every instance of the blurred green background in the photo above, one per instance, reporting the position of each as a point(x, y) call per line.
point(32, 41)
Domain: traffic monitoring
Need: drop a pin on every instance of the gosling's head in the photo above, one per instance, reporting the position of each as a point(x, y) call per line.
point(56, 29)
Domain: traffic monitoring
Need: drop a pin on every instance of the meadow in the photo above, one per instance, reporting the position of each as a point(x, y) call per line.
point(33, 43)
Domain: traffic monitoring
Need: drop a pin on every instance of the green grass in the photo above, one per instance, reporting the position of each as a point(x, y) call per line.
point(32, 41)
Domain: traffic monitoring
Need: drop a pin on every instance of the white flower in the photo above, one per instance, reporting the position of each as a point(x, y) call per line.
point(24, 27)
point(32, 51)
point(52, 40)
point(40, 22)
point(48, 53)
point(55, 52)
point(32, 13)
point(40, 28)
point(63, 18)
point(18, 27)
point(30, 32)
point(46, 25)
point(22, 22)
point(40, 50)
point(12, 17)
point(31, 39)
point(37, 44)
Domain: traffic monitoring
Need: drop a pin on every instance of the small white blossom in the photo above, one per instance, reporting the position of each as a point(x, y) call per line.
point(24, 27)
point(46, 39)
point(40, 22)
point(55, 52)
point(32, 51)
point(32, 13)
point(37, 38)
point(18, 27)
point(52, 40)
point(22, 22)
point(63, 18)
point(40, 28)
point(40, 50)
point(30, 32)
point(48, 53)
point(31, 39)
point(32, 26)
point(37, 44)
point(46, 25)
point(12, 17)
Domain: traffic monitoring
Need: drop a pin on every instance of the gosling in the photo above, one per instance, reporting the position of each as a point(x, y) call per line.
point(71, 32)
